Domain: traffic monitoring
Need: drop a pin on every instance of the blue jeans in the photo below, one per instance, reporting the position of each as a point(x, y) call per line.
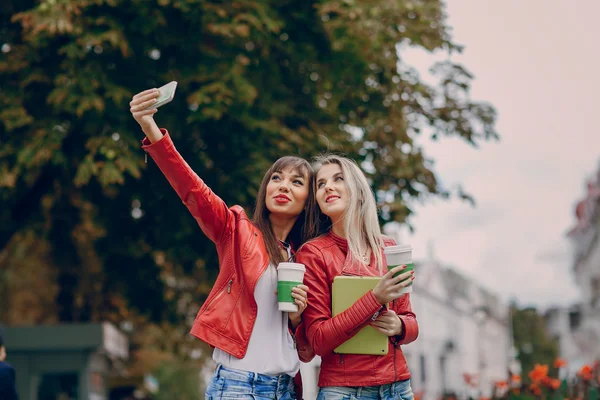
point(392, 391)
point(229, 383)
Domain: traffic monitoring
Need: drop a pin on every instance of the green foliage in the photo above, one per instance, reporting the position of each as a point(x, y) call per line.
point(258, 79)
point(532, 341)
point(178, 381)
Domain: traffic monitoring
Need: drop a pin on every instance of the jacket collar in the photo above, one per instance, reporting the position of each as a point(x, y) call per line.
point(351, 266)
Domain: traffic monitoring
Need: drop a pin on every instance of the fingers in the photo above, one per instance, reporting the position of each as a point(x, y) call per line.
point(386, 319)
point(303, 287)
point(380, 324)
point(301, 290)
point(146, 94)
point(393, 271)
point(141, 106)
point(402, 278)
point(388, 314)
point(406, 282)
point(143, 100)
point(144, 113)
point(385, 331)
point(301, 302)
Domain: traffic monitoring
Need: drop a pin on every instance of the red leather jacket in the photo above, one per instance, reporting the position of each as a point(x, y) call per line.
point(227, 317)
point(325, 258)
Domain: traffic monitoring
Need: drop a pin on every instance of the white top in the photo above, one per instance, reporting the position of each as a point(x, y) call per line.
point(271, 349)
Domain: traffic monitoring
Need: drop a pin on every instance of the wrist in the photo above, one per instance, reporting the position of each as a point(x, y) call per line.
point(294, 321)
point(400, 333)
point(378, 298)
point(152, 131)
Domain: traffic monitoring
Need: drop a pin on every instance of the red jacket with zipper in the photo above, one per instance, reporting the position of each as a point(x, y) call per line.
point(227, 317)
point(325, 258)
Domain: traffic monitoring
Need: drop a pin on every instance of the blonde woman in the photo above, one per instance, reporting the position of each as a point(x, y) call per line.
point(353, 245)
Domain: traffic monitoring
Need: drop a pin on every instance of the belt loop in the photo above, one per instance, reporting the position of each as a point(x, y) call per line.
point(219, 366)
point(358, 392)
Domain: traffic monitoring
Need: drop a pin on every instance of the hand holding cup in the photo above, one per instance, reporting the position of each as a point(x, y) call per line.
point(391, 287)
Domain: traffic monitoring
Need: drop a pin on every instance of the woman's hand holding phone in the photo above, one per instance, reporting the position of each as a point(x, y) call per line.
point(143, 112)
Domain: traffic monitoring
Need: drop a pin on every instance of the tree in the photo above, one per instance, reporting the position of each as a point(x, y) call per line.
point(257, 79)
point(532, 341)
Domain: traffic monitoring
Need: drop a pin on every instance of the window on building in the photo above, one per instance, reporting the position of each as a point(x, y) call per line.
point(443, 373)
point(595, 286)
point(574, 319)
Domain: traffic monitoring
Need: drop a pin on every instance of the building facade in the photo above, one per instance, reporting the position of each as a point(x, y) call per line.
point(578, 327)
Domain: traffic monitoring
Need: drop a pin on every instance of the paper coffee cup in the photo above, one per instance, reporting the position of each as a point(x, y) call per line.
point(400, 255)
point(289, 275)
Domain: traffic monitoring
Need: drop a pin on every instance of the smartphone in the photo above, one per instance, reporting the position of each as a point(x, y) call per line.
point(165, 94)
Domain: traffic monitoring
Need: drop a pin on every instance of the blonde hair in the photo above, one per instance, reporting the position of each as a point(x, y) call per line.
point(361, 223)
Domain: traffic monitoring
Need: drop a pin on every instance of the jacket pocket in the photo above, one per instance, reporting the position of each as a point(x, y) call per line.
point(250, 245)
point(222, 292)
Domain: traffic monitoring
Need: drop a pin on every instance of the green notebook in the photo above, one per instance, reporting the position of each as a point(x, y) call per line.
point(346, 291)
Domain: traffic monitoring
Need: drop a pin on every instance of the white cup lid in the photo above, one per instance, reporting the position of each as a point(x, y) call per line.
point(401, 248)
point(291, 265)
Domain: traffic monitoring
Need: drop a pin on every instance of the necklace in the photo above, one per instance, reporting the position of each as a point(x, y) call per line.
point(366, 258)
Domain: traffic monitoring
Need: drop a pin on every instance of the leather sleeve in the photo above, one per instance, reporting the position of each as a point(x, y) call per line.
point(211, 213)
point(403, 308)
point(324, 332)
point(305, 351)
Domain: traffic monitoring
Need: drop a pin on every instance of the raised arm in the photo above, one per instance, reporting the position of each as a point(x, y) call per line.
point(211, 213)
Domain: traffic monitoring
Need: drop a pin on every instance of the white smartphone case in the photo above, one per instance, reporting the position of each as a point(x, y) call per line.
point(166, 94)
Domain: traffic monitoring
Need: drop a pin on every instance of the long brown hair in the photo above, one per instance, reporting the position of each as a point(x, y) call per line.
point(305, 227)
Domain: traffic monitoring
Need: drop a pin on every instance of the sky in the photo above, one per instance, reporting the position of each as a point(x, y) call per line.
point(537, 62)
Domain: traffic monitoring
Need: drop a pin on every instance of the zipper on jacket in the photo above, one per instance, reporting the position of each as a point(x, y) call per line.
point(220, 295)
point(395, 371)
point(341, 358)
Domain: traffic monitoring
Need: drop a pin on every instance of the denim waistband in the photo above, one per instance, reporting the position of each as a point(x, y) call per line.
point(381, 391)
point(277, 381)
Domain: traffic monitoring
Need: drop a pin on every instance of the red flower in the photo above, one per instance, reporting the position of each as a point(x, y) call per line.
point(559, 363)
point(535, 389)
point(538, 373)
point(585, 373)
point(501, 384)
point(470, 379)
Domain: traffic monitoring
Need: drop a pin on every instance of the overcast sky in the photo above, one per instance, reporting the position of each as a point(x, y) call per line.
point(538, 63)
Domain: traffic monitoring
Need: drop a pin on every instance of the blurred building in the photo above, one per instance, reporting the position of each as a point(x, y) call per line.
point(578, 327)
point(463, 329)
point(69, 361)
